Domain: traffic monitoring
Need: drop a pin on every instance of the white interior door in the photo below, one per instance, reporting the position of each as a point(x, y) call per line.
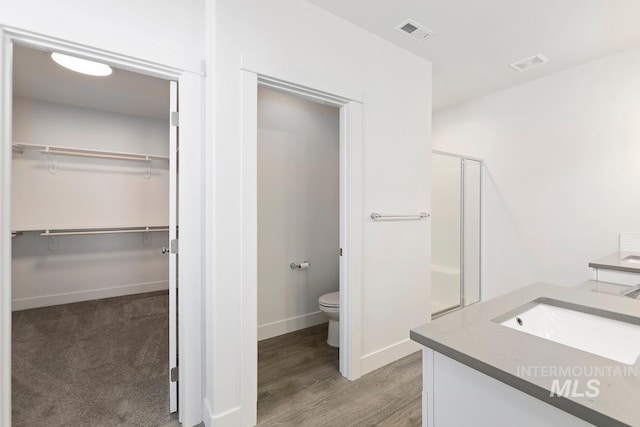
point(173, 256)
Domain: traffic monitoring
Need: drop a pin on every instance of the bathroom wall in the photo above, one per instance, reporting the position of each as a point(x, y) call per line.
point(562, 171)
point(86, 193)
point(396, 92)
point(298, 210)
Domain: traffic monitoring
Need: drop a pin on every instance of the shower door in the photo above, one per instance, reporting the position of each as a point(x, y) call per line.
point(456, 232)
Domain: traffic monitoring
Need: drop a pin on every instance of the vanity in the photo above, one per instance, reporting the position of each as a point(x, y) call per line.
point(543, 355)
point(620, 267)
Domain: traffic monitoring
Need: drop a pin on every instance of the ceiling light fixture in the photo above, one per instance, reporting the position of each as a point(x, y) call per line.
point(80, 65)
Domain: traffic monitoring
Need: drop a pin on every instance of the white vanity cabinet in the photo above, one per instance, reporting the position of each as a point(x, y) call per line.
point(457, 395)
point(622, 268)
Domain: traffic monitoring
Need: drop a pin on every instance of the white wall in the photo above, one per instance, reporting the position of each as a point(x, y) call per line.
point(86, 193)
point(396, 90)
point(169, 33)
point(562, 172)
point(298, 210)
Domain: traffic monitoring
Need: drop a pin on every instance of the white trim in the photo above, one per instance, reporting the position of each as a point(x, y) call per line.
point(286, 75)
point(93, 294)
point(191, 253)
point(191, 218)
point(351, 240)
point(292, 324)
point(334, 92)
point(428, 378)
point(173, 258)
point(389, 354)
point(230, 418)
point(6, 53)
point(249, 269)
point(28, 38)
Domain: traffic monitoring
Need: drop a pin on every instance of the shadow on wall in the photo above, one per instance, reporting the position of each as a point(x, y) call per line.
point(509, 269)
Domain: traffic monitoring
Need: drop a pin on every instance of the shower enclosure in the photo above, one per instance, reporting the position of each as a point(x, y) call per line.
point(456, 242)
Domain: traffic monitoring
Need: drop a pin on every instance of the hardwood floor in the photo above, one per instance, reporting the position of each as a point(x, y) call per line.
point(299, 385)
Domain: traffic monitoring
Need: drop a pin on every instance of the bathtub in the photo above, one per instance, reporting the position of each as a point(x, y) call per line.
point(445, 288)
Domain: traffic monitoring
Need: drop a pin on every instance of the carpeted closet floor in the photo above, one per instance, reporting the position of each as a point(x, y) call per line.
point(95, 363)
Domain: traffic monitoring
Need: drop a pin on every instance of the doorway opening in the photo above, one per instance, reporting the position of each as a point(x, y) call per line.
point(94, 206)
point(456, 242)
point(258, 73)
point(298, 146)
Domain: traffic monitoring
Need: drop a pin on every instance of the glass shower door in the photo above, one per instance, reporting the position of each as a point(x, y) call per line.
point(445, 233)
point(455, 232)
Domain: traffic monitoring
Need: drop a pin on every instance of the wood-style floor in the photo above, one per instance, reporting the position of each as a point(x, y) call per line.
point(299, 385)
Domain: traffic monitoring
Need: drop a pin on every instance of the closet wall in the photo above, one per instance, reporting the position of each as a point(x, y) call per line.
point(80, 192)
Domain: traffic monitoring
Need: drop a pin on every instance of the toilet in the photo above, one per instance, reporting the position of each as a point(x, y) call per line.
point(330, 305)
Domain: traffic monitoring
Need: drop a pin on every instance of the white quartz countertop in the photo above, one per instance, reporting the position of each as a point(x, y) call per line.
point(620, 261)
point(471, 336)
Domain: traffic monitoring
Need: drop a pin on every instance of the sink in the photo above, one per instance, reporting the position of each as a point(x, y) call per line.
point(584, 328)
point(634, 259)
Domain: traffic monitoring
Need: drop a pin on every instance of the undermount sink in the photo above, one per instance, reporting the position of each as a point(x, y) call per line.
point(583, 328)
point(635, 259)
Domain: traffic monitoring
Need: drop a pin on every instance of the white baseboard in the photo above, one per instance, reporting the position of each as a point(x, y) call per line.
point(292, 324)
point(384, 356)
point(230, 418)
point(92, 294)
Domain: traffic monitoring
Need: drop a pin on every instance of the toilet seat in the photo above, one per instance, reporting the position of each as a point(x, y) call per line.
point(330, 300)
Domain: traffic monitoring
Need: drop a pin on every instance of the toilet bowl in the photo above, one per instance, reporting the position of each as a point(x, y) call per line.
point(330, 305)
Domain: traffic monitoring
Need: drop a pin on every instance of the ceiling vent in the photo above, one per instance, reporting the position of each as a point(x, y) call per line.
point(529, 63)
point(414, 30)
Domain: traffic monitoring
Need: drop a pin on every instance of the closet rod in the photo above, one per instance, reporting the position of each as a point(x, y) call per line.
point(49, 233)
point(82, 152)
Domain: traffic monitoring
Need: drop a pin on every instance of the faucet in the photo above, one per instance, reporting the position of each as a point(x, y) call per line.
point(632, 292)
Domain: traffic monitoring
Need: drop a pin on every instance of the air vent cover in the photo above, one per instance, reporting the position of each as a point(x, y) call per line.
point(414, 30)
point(529, 63)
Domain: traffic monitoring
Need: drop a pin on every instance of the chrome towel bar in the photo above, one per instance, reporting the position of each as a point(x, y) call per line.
point(379, 217)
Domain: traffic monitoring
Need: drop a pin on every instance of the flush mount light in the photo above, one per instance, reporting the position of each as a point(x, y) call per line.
point(80, 65)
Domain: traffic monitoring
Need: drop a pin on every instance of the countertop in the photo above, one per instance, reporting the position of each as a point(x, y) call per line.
point(471, 337)
point(603, 287)
point(616, 261)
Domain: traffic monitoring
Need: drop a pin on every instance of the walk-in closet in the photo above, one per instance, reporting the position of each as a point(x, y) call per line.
point(93, 212)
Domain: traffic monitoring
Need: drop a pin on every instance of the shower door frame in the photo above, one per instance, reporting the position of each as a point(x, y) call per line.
point(462, 302)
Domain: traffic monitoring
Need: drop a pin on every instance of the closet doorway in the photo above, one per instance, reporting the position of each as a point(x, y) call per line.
point(94, 211)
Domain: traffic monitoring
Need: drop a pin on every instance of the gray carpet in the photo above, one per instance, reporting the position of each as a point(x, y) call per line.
point(95, 363)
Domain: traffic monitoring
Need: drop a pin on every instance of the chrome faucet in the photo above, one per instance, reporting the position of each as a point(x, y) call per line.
point(633, 292)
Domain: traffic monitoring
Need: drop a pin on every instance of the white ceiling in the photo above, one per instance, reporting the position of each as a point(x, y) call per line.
point(476, 40)
point(36, 76)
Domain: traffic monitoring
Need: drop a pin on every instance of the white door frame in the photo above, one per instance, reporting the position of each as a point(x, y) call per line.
point(256, 72)
point(190, 214)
